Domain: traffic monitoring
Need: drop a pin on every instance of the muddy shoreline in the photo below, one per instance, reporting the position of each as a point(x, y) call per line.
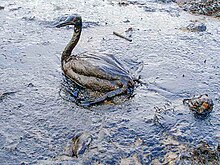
point(37, 124)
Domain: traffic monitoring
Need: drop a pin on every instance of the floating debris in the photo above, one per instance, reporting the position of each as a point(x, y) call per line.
point(5, 94)
point(80, 142)
point(196, 27)
point(200, 155)
point(200, 105)
point(1, 7)
point(203, 154)
point(119, 35)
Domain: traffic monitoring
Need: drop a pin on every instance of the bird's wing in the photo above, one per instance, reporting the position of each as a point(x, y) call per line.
point(109, 64)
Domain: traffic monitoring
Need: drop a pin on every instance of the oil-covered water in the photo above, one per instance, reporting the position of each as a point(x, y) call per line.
point(37, 123)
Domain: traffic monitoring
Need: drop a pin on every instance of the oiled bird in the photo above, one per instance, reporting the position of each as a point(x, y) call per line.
point(102, 73)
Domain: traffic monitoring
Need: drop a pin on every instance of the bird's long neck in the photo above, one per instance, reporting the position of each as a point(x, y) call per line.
point(72, 43)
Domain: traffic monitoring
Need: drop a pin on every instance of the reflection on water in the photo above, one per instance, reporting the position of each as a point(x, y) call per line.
point(36, 123)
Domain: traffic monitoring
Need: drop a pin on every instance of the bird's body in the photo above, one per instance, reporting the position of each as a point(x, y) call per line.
point(101, 73)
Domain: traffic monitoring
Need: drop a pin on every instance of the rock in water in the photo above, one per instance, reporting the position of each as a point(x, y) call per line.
point(205, 7)
point(200, 105)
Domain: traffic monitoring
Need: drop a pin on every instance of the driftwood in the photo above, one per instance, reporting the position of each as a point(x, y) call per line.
point(119, 35)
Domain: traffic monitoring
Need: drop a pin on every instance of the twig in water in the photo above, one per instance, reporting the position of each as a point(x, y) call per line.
point(119, 35)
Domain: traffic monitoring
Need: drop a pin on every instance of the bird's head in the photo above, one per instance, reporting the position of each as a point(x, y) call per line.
point(75, 20)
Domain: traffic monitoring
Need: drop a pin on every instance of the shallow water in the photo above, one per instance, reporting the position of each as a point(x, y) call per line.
point(36, 123)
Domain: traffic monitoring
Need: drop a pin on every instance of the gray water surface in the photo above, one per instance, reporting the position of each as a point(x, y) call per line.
point(37, 123)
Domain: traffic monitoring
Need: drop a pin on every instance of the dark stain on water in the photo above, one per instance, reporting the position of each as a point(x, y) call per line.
point(36, 123)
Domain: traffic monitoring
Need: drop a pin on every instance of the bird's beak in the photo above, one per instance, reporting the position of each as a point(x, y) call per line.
point(62, 24)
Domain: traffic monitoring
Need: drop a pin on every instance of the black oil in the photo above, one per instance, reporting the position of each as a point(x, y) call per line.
point(37, 123)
